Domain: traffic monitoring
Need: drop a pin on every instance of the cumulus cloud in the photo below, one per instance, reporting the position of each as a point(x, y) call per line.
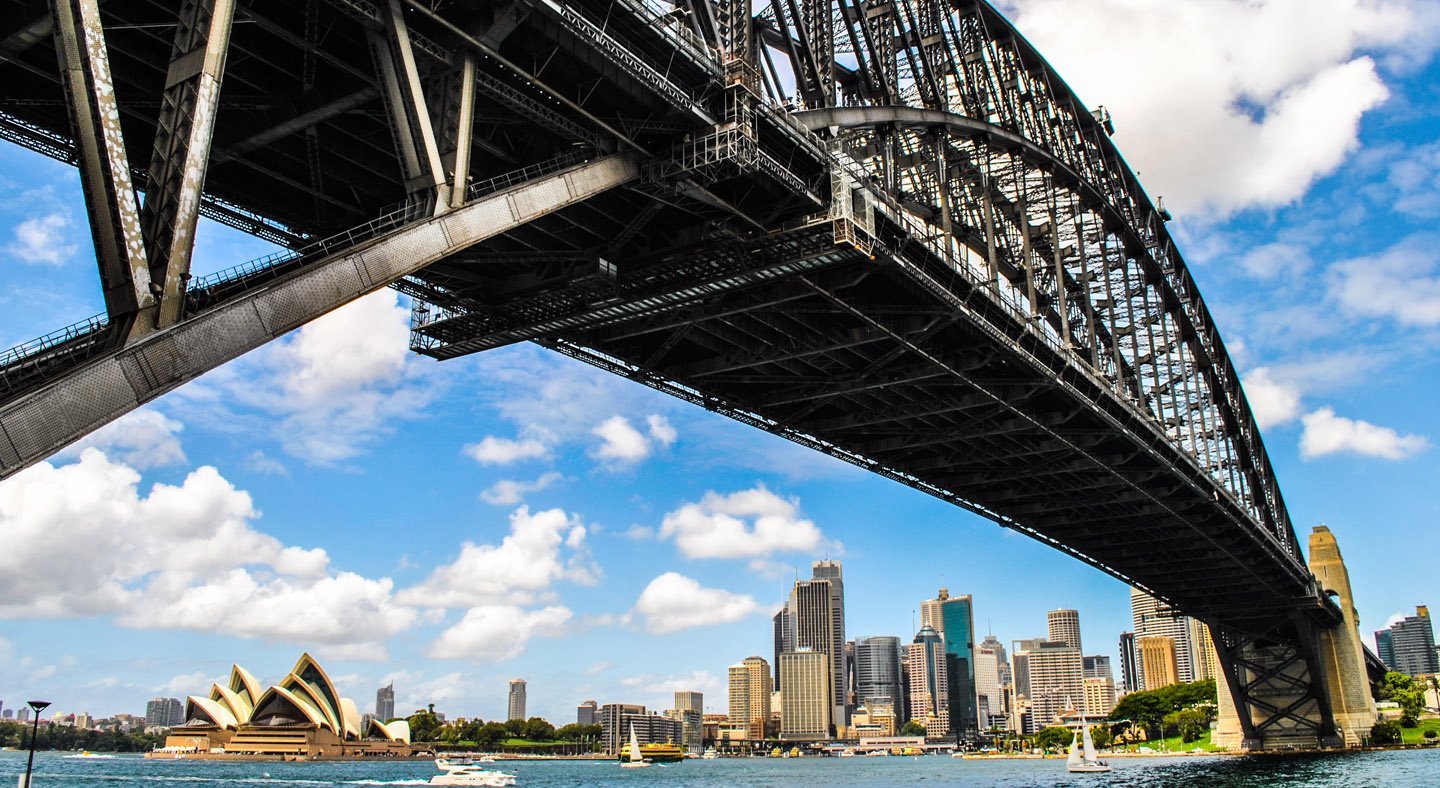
point(660, 429)
point(44, 240)
point(752, 523)
point(144, 438)
point(673, 602)
point(1258, 97)
point(1401, 283)
point(1273, 402)
point(493, 633)
point(1325, 433)
point(181, 557)
point(531, 558)
point(503, 451)
point(508, 492)
point(1274, 260)
point(622, 443)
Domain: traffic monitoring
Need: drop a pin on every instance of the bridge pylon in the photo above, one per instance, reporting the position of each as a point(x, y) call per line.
point(1341, 651)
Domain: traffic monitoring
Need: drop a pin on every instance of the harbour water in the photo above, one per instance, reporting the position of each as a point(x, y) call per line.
point(1353, 770)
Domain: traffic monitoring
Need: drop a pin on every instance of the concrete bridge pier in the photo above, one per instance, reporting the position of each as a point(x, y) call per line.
point(1292, 683)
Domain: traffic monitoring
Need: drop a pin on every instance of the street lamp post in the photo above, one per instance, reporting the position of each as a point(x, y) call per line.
point(38, 706)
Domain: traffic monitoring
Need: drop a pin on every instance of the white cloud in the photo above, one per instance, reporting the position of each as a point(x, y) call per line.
point(197, 683)
point(638, 532)
point(622, 444)
point(1235, 103)
point(1415, 176)
point(493, 633)
point(503, 451)
point(750, 523)
point(44, 240)
point(508, 492)
point(143, 439)
point(1274, 260)
point(1325, 433)
point(260, 462)
point(660, 429)
point(181, 557)
point(1273, 402)
point(673, 602)
point(517, 571)
point(1400, 283)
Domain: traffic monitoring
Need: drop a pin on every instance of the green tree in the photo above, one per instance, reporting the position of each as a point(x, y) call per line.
point(577, 732)
point(1101, 735)
point(1385, 732)
point(1053, 738)
point(913, 728)
point(1148, 709)
point(537, 729)
point(1190, 723)
point(490, 734)
point(424, 725)
point(1401, 689)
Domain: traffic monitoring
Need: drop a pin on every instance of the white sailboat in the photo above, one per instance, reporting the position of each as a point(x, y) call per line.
point(1089, 760)
point(636, 761)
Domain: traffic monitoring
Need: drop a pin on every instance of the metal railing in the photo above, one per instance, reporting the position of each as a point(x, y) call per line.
point(25, 359)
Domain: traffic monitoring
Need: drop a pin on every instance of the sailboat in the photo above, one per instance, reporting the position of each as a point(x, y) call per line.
point(1089, 761)
point(636, 761)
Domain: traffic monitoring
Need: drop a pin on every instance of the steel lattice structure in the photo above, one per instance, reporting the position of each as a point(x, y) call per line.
point(884, 229)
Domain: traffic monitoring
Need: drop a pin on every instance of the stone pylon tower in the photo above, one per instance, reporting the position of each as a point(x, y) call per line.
point(1346, 682)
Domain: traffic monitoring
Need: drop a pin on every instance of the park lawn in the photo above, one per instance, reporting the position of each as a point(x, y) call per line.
point(1416, 735)
point(1174, 744)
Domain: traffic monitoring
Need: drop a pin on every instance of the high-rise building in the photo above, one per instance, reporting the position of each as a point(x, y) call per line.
point(953, 618)
point(689, 700)
point(385, 703)
point(1064, 627)
point(1385, 647)
point(927, 665)
point(617, 719)
point(164, 713)
point(1207, 662)
point(784, 640)
point(23, 715)
point(1158, 660)
point(833, 573)
point(750, 690)
point(1154, 617)
point(587, 713)
point(515, 709)
point(993, 643)
point(989, 698)
point(692, 730)
point(1129, 663)
point(1097, 667)
point(808, 703)
point(877, 671)
point(1099, 696)
point(1052, 676)
point(1412, 642)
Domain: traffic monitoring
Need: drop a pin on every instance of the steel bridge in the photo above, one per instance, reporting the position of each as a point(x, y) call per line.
point(883, 229)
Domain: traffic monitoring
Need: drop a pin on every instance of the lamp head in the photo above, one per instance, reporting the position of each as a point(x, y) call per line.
point(38, 705)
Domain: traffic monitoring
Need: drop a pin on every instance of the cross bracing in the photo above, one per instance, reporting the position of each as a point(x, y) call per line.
point(885, 229)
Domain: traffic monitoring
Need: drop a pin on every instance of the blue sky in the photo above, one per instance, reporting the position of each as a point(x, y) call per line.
point(515, 514)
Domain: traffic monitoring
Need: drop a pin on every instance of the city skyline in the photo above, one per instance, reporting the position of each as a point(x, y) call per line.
point(334, 470)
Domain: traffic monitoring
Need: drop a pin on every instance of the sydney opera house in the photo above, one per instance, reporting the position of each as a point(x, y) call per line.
point(301, 718)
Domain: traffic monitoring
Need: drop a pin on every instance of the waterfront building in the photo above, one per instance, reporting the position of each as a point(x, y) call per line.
point(616, 720)
point(689, 700)
point(1099, 696)
point(1207, 662)
point(302, 717)
point(164, 713)
point(587, 713)
point(1152, 617)
point(1158, 660)
point(993, 643)
point(808, 704)
point(877, 720)
point(1385, 647)
point(385, 703)
point(1129, 663)
point(692, 731)
point(953, 618)
point(1412, 644)
point(750, 691)
point(1097, 667)
point(989, 700)
point(833, 572)
point(926, 665)
point(877, 671)
point(515, 708)
point(814, 618)
point(1051, 677)
point(1064, 627)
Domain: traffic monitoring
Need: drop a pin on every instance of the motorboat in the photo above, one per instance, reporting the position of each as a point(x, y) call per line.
point(460, 771)
point(1083, 757)
point(710, 754)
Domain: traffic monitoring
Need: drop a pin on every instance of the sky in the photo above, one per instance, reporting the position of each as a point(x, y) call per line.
point(450, 526)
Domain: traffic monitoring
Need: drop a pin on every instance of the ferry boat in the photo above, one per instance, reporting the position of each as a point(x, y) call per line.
point(655, 753)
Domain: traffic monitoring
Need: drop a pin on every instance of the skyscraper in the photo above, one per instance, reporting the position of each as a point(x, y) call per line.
point(877, 671)
point(811, 616)
point(929, 682)
point(1064, 627)
point(1129, 663)
point(1385, 647)
point(993, 643)
point(953, 618)
point(1053, 680)
point(808, 703)
point(1153, 617)
point(587, 713)
point(690, 710)
point(832, 572)
point(784, 640)
point(1097, 667)
point(1158, 662)
point(750, 695)
point(516, 707)
point(385, 703)
point(164, 713)
point(1412, 641)
point(989, 697)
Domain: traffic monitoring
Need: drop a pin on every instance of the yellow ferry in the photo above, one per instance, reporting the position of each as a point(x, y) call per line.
point(655, 753)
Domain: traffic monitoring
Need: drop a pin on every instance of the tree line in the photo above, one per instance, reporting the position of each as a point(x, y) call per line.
point(63, 737)
point(425, 726)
